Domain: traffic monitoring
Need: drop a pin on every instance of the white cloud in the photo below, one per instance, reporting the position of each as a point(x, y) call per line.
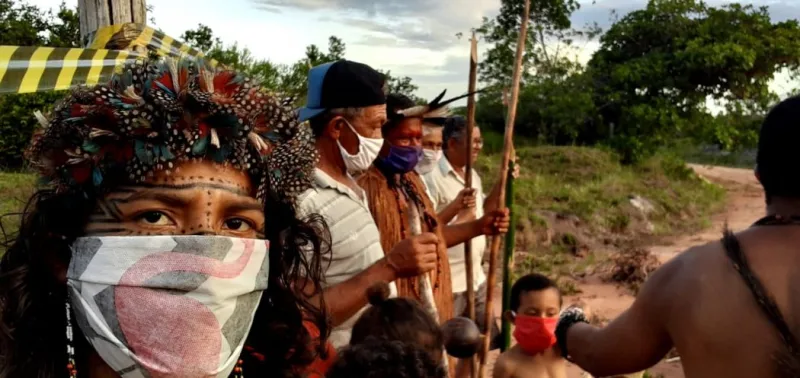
point(415, 38)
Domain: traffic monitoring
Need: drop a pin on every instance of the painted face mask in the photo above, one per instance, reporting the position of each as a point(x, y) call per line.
point(368, 149)
point(167, 306)
point(535, 334)
point(402, 159)
point(429, 160)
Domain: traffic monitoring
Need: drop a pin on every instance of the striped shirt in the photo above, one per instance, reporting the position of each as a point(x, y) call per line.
point(355, 241)
point(445, 184)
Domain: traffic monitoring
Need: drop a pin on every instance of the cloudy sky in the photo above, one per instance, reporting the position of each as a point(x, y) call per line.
point(415, 38)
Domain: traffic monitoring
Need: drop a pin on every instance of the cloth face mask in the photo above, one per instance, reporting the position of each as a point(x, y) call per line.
point(535, 334)
point(167, 306)
point(402, 159)
point(368, 149)
point(429, 160)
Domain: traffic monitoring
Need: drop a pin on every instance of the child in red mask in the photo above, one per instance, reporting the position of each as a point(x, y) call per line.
point(535, 305)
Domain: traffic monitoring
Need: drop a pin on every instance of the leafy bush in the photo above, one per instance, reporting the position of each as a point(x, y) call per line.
point(17, 124)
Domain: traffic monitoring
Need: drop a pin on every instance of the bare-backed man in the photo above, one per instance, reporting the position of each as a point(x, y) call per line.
point(732, 307)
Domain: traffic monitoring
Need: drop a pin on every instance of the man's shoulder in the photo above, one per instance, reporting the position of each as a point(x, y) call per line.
point(676, 280)
point(314, 199)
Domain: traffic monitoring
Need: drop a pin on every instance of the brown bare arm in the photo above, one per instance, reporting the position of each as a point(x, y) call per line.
point(494, 223)
point(347, 298)
point(634, 341)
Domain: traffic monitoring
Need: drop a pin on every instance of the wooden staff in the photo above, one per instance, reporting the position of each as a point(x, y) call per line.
point(473, 73)
point(508, 147)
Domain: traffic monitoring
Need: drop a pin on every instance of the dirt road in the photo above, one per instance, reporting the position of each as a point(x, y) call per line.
point(745, 205)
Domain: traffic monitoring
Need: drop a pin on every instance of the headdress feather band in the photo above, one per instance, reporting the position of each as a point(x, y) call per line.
point(433, 110)
point(156, 113)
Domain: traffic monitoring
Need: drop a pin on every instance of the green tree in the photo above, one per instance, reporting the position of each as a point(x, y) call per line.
point(657, 67)
point(25, 25)
point(285, 79)
point(555, 100)
point(402, 85)
point(549, 22)
point(201, 38)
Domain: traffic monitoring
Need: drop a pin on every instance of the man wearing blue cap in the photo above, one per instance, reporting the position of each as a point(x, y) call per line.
point(346, 107)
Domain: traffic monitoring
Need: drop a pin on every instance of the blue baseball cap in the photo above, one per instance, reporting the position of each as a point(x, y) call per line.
point(342, 84)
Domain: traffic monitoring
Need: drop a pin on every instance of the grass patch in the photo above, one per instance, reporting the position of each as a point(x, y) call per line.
point(574, 203)
point(15, 188)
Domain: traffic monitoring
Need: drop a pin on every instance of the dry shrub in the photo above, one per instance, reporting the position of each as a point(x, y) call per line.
point(632, 267)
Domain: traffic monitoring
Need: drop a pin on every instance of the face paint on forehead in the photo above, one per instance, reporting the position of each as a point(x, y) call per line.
point(198, 200)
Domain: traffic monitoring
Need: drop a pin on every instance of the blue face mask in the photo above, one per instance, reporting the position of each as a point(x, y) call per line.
point(402, 159)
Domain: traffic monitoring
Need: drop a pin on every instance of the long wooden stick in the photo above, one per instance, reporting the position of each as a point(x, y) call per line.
point(508, 147)
point(473, 74)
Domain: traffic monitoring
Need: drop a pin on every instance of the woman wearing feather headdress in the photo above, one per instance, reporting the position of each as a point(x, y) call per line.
point(165, 240)
point(401, 208)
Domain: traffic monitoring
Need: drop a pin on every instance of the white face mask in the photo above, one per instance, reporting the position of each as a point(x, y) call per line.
point(167, 306)
point(429, 160)
point(368, 149)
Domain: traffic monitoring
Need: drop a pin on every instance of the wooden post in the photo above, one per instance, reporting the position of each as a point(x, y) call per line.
point(473, 74)
point(508, 149)
point(95, 14)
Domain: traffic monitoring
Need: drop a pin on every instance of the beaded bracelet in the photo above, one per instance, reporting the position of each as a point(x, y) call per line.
point(568, 318)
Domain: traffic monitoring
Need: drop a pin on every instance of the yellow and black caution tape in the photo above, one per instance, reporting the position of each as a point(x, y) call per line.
point(35, 69)
point(129, 36)
point(25, 69)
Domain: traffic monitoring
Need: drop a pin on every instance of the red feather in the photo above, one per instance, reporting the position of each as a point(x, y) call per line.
point(222, 84)
point(78, 110)
point(183, 77)
point(81, 172)
point(166, 80)
point(203, 128)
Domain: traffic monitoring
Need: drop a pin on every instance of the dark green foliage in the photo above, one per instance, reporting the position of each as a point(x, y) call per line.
point(25, 25)
point(651, 80)
point(282, 78)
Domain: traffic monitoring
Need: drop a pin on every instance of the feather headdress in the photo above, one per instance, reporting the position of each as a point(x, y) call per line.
point(434, 111)
point(156, 113)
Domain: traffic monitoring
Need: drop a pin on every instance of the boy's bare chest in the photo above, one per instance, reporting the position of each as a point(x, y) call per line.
point(541, 366)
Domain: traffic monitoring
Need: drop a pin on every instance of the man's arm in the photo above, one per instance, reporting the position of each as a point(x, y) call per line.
point(634, 341)
point(464, 200)
point(449, 212)
point(458, 233)
point(490, 224)
point(492, 201)
point(409, 258)
point(347, 298)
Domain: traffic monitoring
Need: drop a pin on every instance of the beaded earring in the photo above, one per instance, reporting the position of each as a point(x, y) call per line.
point(237, 371)
point(73, 373)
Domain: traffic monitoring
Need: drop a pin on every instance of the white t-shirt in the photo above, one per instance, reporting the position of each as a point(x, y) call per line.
point(355, 241)
point(444, 186)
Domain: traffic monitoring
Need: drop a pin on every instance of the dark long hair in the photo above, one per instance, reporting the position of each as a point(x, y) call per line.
point(33, 296)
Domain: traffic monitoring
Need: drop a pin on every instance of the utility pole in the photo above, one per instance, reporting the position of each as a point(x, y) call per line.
point(95, 14)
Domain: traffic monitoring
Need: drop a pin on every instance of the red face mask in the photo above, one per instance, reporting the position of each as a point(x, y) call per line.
point(535, 334)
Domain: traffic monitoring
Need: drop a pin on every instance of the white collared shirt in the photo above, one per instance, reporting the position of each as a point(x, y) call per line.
point(444, 185)
point(355, 240)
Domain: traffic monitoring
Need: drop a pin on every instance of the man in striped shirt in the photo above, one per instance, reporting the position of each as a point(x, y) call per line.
point(346, 106)
point(464, 203)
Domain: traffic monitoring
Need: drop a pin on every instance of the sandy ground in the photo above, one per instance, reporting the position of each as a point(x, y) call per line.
point(745, 206)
